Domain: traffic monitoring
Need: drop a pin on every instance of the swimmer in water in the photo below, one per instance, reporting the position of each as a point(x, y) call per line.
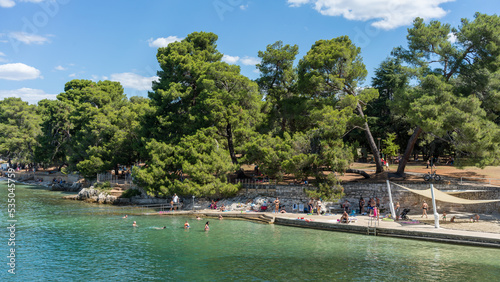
point(135, 224)
point(207, 227)
point(186, 225)
point(198, 218)
point(220, 216)
point(160, 227)
point(126, 216)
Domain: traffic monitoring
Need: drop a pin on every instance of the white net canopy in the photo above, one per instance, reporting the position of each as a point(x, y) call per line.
point(443, 197)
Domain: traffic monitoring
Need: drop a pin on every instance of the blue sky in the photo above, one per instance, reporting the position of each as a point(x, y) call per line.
point(46, 43)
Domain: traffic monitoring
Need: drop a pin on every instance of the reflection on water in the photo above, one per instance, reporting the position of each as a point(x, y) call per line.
point(61, 240)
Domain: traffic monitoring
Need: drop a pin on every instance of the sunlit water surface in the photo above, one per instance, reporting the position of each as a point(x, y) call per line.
point(63, 240)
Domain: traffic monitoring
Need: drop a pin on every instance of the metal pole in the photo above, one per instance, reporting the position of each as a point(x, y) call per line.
point(434, 208)
point(390, 200)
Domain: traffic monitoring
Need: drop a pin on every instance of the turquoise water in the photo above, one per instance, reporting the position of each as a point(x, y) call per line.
point(63, 240)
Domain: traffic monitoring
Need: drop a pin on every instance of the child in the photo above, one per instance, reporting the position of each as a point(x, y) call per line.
point(444, 216)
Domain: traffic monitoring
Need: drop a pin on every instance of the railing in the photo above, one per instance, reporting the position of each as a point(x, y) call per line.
point(103, 177)
point(490, 181)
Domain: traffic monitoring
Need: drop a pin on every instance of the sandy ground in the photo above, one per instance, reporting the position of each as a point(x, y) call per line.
point(490, 174)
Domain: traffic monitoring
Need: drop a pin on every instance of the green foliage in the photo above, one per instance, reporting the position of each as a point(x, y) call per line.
point(329, 190)
point(92, 127)
point(285, 108)
point(331, 68)
point(457, 83)
point(197, 166)
point(103, 186)
point(390, 149)
point(129, 193)
point(19, 130)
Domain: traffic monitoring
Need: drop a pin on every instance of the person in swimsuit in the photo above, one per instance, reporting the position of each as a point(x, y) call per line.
point(444, 216)
point(344, 218)
point(198, 218)
point(276, 205)
point(186, 225)
point(126, 216)
point(220, 216)
point(398, 207)
point(371, 205)
point(207, 227)
point(318, 207)
point(160, 227)
point(424, 209)
point(361, 205)
point(134, 224)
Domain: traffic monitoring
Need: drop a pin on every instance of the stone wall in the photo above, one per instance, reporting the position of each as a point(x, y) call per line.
point(406, 199)
point(413, 201)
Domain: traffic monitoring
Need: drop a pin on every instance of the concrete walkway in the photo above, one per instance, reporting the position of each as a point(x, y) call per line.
point(419, 231)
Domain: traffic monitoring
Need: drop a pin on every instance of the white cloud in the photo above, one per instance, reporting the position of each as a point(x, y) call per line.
point(28, 38)
point(18, 71)
point(134, 81)
point(297, 3)
point(162, 41)
point(7, 3)
point(452, 37)
point(72, 75)
point(388, 14)
point(250, 61)
point(243, 7)
point(2, 60)
point(60, 68)
point(230, 59)
point(12, 3)
point(29, 95)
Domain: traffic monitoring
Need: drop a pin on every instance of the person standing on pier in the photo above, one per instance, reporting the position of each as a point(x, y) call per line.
point(175, 199)
point(425, 206)
point(276, 205)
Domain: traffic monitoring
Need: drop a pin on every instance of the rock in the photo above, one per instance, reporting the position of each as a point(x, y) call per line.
point(69, 187)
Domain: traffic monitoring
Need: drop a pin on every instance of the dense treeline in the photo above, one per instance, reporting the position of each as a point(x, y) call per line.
point(203, 119)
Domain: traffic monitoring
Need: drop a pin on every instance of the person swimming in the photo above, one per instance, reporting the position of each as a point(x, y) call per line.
point(135, 224)
point(198, 218)
point(220, 216)
point(206, 226)
point(186, 225)
point(126, 216)
point(160, 227)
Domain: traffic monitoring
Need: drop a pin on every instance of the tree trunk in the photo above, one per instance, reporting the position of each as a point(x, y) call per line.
point(409, 150)
point(230, 145)
point(60, 167)
point(371, 142)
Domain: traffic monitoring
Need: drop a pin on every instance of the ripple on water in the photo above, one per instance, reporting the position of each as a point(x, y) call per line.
point(65, 240)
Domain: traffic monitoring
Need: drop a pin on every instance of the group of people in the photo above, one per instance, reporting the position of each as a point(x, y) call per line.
point(315, 204)
point(186, 224)
point(60, 181)
point(371, 205)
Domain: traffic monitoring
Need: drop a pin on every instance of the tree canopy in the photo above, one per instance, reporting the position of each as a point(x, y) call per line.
point(303, 120)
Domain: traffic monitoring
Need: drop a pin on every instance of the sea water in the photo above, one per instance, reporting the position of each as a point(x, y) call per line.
point(65, 240)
